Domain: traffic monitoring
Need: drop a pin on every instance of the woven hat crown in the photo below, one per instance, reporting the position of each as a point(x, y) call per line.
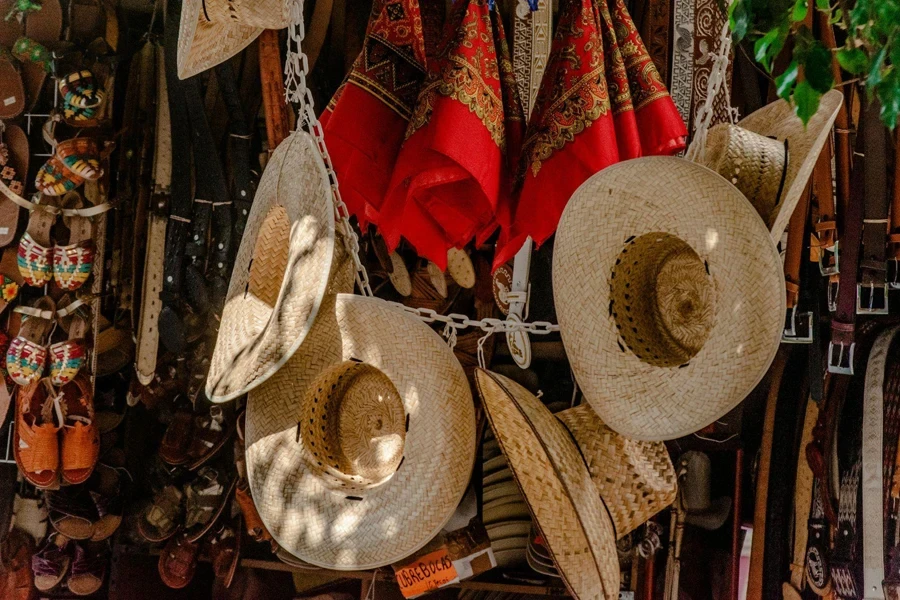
point(268, 14)
point(353, 427)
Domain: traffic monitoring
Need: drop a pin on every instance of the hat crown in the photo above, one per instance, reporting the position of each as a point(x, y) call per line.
point(353, 426)
point(696, 470)
point(269, 14)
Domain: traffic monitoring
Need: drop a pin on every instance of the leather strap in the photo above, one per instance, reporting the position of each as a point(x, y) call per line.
point(894, 231)
point(272, 75)
point(148, 326)
point(803, 495)
point(239, 137)
point(875, 224)
point(845, 564)
point(793, 254)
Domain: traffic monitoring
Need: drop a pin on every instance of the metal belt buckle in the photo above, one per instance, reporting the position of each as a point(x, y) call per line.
point(833, 289)
point(798, 327)
point(893, 273)
point(844, 363)
point(825, 265)
point(871, 299)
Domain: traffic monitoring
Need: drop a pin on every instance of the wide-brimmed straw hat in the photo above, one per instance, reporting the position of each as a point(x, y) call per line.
point(360, 448)
point(212, 31)
point(584, 484)
point(670, 295)
point(770, 154)
point(281, 271)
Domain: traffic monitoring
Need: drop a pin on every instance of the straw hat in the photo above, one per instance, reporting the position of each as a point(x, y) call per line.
point(670, 295)
point(584, 484)
point(212, 31)
point(769, 155)
point(360, 448)
point(280, 273)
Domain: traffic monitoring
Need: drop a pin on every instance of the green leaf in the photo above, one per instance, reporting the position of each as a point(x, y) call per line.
point(875, 70)
point(739, 19)
point(817, 67)
point(806, 100)
point(823, 5)
point(769, 46)
point(786, 81)
point(853, 60)
point(836, 17)
point(888, 92)
point(800, 10)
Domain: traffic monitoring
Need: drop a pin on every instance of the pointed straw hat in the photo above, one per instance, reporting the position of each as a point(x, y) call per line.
point(665, 281)
point(280, 273)
point(770, 154)
point(212, 31)
point(584, 484)
point(361, 447)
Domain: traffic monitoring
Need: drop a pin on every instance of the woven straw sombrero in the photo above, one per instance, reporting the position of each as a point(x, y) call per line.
point(769, 155)
point(584, 484)
point(280, 273)
point(212, 31)
point(360, 448)
point(670, 295)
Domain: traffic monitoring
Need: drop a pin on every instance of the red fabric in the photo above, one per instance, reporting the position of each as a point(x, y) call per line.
point(364, 123)
point(452, 179)
point(598, 104)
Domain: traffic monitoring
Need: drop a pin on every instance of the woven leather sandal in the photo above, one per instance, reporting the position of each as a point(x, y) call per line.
point(35, 247)
point(225, 550)
point(160, 520)
point(35, 440)
point(69, 356)
point(211, 432)
point(80, 436)
point(177, 438)
point(26, 356)
point(178, 562)
point(73, 258)
point(205, 499)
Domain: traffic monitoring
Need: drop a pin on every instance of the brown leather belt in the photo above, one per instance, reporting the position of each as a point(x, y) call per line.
point(278, 124)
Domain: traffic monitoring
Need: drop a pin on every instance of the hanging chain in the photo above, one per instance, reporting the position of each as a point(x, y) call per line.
point(297, 92)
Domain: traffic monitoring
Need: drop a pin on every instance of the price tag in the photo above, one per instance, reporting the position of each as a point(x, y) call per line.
point(426, 573)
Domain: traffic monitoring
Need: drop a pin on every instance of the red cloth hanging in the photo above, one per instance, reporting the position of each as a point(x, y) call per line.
point(597, 105)
point(365, 121)
point(452, 180)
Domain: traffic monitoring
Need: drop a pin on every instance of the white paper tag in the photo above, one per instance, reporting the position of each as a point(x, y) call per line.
point(10, 100)
point(4, 230)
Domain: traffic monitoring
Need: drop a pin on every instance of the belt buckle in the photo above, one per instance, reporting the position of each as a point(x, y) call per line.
point(871, 305)
point(825, 266)
point(834, 286)
point(844, 364)
point(893, 273)
point(798, 327)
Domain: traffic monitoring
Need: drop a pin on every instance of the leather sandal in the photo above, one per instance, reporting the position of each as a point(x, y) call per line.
point(43, 27)
point(27, 353)
point(35, 247)
point(35, 440)
point(79, 89)
point(256, 529)
point(88, 570)
point(211, 432)
point(55, 179)
point(51, 562)
point(68, 357)
point(16, 577)
point(80, 436)
point(159, 521)
point(12, 97)
point(73, 256)
point(10, 278)
point(81, 156)
point(177, 438)
point(107, 495)
point(225, 551)
point(14, 162)
point(72, 512)
point(205, 499)
point(178, 562)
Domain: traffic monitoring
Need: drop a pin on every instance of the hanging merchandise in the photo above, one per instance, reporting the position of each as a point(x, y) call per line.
point(601, 101)
point(366, 119)
point(452, 179)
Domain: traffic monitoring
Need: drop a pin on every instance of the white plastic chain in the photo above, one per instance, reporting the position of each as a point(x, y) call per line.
point(295, 71)
point(717, 82)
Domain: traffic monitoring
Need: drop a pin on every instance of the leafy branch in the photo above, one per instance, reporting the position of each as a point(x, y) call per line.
point(870, 53)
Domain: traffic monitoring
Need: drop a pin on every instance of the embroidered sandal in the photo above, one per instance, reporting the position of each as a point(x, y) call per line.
point(27, 353)
point(73, 258)
point(69, 356)
point(35, 247)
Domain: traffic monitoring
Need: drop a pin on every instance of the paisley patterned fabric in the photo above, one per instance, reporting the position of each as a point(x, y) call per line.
point(601, 101)
point(72, 265)
point(452, 180)
point(34, 261)
point(66, 360)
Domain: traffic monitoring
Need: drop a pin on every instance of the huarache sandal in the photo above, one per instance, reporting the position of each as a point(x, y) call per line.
point(51, 562)
point(35, 248)
point(81, 155)
point(27, 353)
point(12, 89)
point(16, 576)
point(88, 569)
point(107, 495)
point(159, 521)
point(211, 431)
point(225, 551)
point(205, 498)
point(177, 438)
point(178, 562)
point(43, 27)
point(80, 436)
point(35, 441)
point(69, 356)
point(73, 256)
point(55, 179)
point(72, 512)
point(79, 90)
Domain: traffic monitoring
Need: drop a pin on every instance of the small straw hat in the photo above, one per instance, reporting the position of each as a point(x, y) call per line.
point(769, 155)
point(584, 484)
point(212, 31)
point(361, 447)
point(670, 295)
point(280, 273)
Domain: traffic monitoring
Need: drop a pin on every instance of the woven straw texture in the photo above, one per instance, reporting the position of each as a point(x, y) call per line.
point(613, 208)
point(556, 485)
point(777, 120)
point(280, 273)
point(387, 523)
point(211, 34)
point(635, 479)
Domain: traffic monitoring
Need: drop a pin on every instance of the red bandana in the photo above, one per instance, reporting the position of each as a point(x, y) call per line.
point(452, 180)
point(365, 121)
point(597, 105)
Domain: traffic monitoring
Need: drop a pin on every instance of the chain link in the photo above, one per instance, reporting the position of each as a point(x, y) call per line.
point(296, 91)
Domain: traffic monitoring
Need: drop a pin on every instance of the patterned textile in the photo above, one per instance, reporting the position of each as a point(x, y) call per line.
point(452, 179)
point(601, 101)
point(365, 121)
point(72, 265)
point(34, 261)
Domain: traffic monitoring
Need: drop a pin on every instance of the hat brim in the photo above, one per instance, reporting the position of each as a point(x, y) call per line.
point(256, 339)
point(805, 143)
point(203, 45)
point(713, 517)
point(684, 199)
point(390, 522)
point(556, 485)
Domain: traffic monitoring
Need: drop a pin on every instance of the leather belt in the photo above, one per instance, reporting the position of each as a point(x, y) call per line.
point(872, 291)
point(845, 571)
point(803, 496)
point(278, 123)
point(798, 325)
point(893, 267)
point(148, 329)
point(239, 136)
